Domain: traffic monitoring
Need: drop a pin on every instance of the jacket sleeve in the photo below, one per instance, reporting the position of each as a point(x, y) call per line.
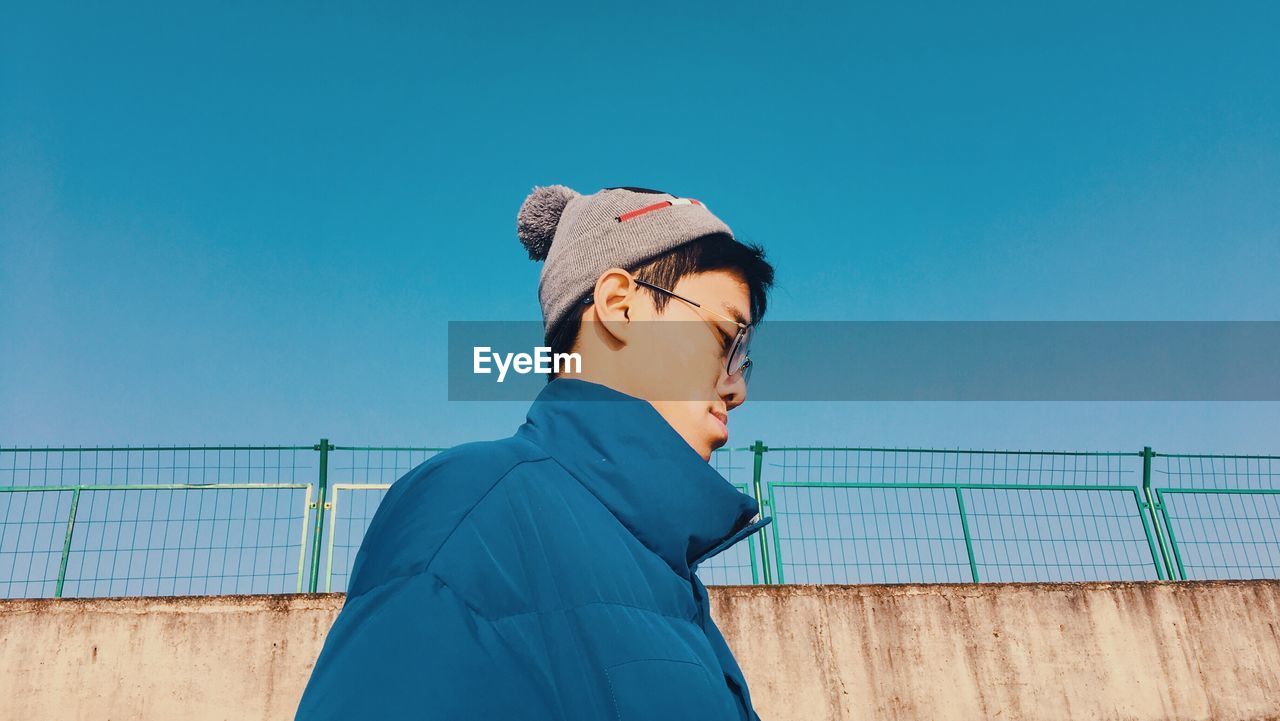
point(411, 648)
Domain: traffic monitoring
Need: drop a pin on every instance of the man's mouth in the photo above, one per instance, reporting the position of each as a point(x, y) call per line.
point(722, 419)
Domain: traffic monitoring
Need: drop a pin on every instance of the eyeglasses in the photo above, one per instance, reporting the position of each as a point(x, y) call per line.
point(738, 360)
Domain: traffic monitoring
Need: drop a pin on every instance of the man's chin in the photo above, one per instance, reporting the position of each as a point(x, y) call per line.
point(705, 446)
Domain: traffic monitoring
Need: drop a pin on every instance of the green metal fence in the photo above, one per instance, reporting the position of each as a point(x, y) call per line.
point(277, 519)
point(1220, 514)
point(872, 515)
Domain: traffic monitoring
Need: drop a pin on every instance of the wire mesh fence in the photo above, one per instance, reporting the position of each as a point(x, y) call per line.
point(1222, 514)
point(153, 521)
point(277, 519)
point(870, 515)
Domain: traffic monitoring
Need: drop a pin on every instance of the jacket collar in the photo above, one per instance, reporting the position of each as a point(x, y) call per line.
point(629, 457)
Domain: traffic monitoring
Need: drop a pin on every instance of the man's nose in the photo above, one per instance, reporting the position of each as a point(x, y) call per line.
point(732, 389)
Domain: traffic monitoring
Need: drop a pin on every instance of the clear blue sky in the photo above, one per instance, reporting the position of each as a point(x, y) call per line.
point(251, 224)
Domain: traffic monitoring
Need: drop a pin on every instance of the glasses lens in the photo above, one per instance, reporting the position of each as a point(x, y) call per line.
point(738, 355)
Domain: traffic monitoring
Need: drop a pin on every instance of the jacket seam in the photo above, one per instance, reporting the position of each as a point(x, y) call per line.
point(418, 569)
point(549, 611)
point(476, 612)
point(692, 566)
point(632, 531)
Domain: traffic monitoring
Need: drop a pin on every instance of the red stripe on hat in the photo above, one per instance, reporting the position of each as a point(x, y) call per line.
point(660, 204)
point(639, 211)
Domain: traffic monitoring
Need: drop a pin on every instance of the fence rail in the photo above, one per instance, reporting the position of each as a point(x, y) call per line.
point(274, 519)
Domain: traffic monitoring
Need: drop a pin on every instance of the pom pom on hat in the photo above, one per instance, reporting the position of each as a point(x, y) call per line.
point(539, 214)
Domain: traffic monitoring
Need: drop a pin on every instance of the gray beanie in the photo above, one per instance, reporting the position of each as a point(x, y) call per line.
point(578, 237)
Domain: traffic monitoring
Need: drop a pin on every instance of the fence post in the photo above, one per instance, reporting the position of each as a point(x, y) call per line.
point(321, 505)
point(758, 450)
point(1155, 511)
point(66, 542)
point(968, 540)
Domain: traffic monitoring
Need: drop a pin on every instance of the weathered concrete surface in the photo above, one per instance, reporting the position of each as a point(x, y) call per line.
point(1186, 650)
point(1189, 650)
point(163, 659)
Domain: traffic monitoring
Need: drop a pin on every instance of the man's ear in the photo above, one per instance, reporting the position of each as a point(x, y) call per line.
point(614, 304)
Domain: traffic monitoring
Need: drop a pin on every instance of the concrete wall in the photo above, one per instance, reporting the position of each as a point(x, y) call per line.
point(1191, 650)
point(1187, 650)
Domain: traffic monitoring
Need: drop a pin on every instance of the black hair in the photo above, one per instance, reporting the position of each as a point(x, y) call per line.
point(715, 251)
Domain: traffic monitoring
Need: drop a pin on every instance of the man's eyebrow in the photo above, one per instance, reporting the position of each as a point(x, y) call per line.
point(735, 313)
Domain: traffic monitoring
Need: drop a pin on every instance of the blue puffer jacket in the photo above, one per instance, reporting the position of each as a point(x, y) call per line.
point(549, 575)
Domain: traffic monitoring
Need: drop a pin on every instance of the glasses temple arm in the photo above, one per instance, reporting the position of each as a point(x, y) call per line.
point(694, 303)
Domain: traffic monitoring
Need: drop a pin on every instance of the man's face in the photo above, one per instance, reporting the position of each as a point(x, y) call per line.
point(677, 359)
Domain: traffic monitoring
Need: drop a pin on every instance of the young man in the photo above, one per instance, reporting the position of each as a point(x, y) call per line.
point(552, 574)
